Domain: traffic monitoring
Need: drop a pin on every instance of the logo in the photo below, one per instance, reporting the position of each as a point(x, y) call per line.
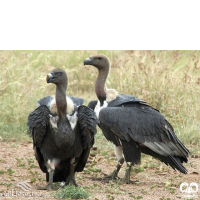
point(27, 192)
point(190, 190)
point(24, 186)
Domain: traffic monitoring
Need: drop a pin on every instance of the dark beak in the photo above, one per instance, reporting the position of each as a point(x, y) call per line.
point(87, 61)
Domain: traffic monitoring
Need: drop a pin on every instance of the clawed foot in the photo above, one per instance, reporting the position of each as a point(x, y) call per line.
point(47, 187)
point(112, 177)
point(71, 181)
point(128, 181)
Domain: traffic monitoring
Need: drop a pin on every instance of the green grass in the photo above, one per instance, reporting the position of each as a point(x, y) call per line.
point(10, 171)
point(71, 192)
point(168, 80)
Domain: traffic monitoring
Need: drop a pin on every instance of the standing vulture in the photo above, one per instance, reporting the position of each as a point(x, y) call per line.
point(133, 126)
point(63, 132)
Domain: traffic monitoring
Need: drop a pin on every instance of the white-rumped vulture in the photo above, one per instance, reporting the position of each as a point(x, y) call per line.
point(133, 126)
point(63, 132)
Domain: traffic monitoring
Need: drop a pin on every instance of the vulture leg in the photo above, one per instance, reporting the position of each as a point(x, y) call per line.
point(71, 178)
point(114, 175)
point(126, 178)
point(50, 186)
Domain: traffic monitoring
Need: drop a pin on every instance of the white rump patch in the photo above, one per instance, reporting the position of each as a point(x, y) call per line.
point(98, 107)
point(72, 120)
point(111, 94)
point(118, 152)
point(70, 106)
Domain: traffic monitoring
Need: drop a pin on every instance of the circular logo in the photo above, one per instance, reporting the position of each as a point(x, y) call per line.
point(192, 188)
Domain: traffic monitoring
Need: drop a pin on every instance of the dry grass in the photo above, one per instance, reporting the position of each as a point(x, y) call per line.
point(168, 80)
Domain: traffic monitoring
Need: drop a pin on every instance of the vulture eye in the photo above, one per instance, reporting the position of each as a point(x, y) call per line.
point(59, 73)
point(99, 58)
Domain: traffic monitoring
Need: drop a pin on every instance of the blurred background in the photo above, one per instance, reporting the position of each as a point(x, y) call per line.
point(167, 80)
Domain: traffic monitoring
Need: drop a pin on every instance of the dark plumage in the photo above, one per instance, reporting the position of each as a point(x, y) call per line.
point(61, 141)
point(134, 126)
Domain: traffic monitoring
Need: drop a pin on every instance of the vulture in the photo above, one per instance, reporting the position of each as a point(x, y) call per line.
point(133, 126)
point(62, 130)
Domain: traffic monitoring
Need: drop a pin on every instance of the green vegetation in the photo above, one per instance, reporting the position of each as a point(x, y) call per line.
point(136, 197)
point(167, 80)
point(10, 171)
point(71, 192)
point(7, 184)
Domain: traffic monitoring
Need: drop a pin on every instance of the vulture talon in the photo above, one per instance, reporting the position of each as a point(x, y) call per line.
point(71, 181)
point(113, 176)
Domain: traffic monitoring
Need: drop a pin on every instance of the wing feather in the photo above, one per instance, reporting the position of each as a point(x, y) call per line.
point(88, 122)
point(144, 125)
point(38, 122)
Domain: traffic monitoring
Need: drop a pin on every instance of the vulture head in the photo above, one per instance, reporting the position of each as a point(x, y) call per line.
point(58, 77)
point(101, 62)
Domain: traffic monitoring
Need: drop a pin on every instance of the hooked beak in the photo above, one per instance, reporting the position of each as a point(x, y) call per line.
point(49, 78)
point(87, 61)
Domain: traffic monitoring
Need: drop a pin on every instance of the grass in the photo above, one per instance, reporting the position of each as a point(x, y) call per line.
point(10, 171)
point(71, 192)
point(168, 80)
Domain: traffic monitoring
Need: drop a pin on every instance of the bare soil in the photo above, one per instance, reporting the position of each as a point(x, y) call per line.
point(18, 164)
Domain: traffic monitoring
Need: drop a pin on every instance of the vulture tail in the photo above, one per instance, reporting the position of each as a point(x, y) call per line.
point(174, 161)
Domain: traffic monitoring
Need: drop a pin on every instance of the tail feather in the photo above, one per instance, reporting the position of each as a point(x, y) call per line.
point(174, 161)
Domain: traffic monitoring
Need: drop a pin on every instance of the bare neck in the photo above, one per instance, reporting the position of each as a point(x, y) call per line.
point(61, 101)
point(100, 84)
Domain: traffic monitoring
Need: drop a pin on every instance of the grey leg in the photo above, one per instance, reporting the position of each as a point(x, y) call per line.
point(126, 178)
point(50, 185)
point(114, 174)
point(119, 155)
point(51, 167)
point(71, 178)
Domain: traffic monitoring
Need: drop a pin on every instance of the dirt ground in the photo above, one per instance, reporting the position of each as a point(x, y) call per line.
point(18, 164)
